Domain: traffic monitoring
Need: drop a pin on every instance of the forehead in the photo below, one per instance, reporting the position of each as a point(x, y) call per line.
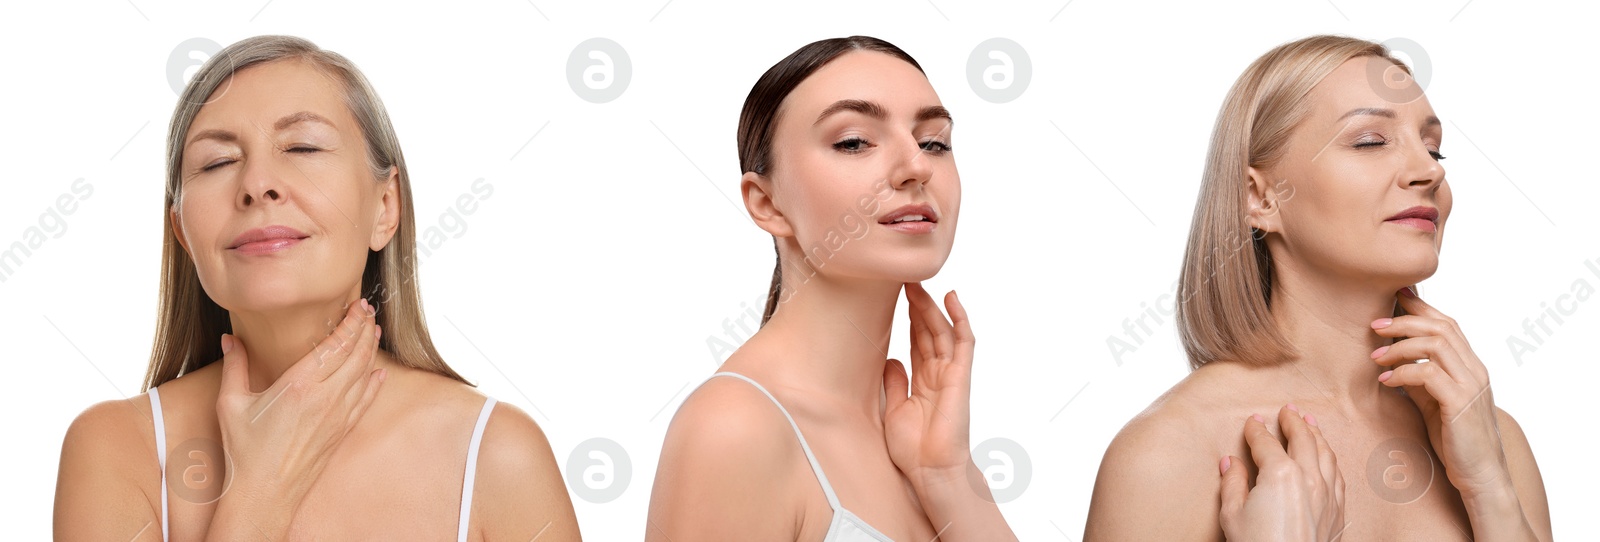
point(863, 75)
point(268, 91)
point(1370, 82)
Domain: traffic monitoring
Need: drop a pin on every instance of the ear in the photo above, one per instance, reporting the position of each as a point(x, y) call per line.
point(758, 201)
point(388, 211)
point(1265, 199)
point(177, 229)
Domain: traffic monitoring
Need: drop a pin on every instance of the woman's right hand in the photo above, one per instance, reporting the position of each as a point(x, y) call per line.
point(1299, 493)
point(278, 440)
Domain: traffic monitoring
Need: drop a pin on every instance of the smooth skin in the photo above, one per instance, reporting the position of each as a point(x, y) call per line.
point(894, 447)
point(1340, 268)
point(326, 435)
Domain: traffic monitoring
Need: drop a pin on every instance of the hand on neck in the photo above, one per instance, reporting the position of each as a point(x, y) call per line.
point(275, 340)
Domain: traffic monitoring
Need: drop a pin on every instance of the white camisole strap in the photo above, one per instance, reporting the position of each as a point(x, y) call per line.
point(161, 453)
point(845, 525)
point(827, 489)
point(472, 469)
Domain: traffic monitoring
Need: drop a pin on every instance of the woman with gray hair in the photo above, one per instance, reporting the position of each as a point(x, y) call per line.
point(289, 235)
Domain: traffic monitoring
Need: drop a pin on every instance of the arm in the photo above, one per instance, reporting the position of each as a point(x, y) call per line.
point(927, 416)
point(519, 492)
point(1523, 504)
point(98, 493)
point(727, 470)
point(1485, 458)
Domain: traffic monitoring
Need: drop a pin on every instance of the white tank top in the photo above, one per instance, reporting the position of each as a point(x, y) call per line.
point(466, 482)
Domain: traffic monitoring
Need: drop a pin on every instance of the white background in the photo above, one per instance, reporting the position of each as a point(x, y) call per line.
point(585, 288)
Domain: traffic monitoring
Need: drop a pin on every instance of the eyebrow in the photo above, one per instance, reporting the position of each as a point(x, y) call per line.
point(872, 109)
point(298, 117)
point(1429, 122)
point(285, 122)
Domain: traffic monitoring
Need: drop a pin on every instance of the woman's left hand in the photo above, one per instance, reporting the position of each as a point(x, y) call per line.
point(927, 417)
point(1452, 390)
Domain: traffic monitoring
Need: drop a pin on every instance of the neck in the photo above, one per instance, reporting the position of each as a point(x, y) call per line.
point(1329, 321)
point(275, 340)
point(835, 338)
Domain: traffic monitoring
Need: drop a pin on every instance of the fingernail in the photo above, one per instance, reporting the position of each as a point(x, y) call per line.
point(1382, 323)
point(1407, 291)
point(377, 331)
point(1292, 408)
point(1385, 376)
point(1379, 352)
point(1226, 462)
point(1257, 417)
point(1311, 419)
point(227, 343)
point(383, 374)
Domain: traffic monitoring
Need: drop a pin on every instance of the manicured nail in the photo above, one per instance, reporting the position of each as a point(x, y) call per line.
point(1382, 323)
point(1311, 419)
point(1385, 376)
point(1408, 292)
point(227, 343)
point(1226, 462)
point(1257, 417)
point(1292, 408)
point(377, 331)
point(1379, 352)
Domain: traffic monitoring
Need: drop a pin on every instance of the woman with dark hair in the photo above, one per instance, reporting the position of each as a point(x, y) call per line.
point(1322, 205)
point(808, 433)
point(289, 235)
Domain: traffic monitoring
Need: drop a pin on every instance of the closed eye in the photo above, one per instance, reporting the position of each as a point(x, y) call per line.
point(215, 165)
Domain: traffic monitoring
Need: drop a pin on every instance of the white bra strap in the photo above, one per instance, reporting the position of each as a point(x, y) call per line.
point(827, 489)
point(472, 470)
point(161, 454)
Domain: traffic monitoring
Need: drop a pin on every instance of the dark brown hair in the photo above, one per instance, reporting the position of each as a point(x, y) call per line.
point(762, 107)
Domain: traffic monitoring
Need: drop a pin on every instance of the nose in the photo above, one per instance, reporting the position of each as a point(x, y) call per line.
point(1422, 170)
point(912, 168)
point(260, 184)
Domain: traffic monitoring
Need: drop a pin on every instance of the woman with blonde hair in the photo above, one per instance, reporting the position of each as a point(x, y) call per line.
point(1322, 204)
point(289, 236)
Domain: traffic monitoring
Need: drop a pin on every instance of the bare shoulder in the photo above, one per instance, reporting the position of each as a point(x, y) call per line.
point(108, 472)
point(1163, 464)
point(727, 467)
point(519, 491)
point(733, 423)
point(121, 431)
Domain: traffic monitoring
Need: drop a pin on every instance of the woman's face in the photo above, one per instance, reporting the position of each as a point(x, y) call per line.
point(862, 171)
point(279, 205)
point(1359, 193)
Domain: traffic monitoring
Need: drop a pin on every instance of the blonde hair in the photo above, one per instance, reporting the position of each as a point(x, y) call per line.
point(189, 325)
point(1225, 289)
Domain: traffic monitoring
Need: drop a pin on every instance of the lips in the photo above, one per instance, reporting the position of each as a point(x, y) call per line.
point(913, 218)
point(266, 240)
point(1421, 217)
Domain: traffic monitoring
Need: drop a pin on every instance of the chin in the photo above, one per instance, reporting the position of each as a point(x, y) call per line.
point(268, 294)
point(1407, 273)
